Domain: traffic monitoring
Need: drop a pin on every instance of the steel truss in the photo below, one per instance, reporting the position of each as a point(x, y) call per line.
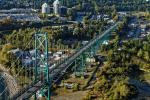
point(41, 64)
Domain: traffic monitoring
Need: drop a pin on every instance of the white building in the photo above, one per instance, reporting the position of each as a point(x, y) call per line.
point(56, 6)
point(45, 8)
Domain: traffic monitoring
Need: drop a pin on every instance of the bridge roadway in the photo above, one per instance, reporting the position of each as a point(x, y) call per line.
point(59, 70)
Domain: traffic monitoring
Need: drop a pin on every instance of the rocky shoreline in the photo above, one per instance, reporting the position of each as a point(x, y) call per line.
point(9, 81)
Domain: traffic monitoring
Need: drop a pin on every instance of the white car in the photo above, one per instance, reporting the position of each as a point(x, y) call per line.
point(52, 66)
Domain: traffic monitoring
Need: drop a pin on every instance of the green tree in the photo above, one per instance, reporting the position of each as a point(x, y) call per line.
point(76, 87)
point(115, 18)
point(85, 20)
point(114, 13)
point(146, 56)
point(140, 53)
point(116, 42)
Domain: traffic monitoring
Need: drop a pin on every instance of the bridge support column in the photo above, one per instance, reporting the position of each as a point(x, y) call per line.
point(41, 64)
point(79, 66)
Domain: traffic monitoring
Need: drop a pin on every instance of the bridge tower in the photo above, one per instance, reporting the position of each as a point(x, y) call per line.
point(41, 64)
point(80, 64)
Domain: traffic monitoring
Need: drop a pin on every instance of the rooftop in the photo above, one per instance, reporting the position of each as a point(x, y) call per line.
point(56, 2)
point(45, 5)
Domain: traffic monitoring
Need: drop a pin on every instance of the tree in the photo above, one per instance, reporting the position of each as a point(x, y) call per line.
point(76, 87)
point(110, 55)
point(76, 31)
point(71, 13)
point(116, 42)
point(146, 46)
point(140, 53)
point(146, 55)
point(85, 20)
point(96, 7)
point(79, 7)
point(147, 14)
point(114, 13)
point(115, 18)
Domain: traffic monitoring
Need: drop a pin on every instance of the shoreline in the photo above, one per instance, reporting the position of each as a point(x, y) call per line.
point(9, 81)
point(11, 84)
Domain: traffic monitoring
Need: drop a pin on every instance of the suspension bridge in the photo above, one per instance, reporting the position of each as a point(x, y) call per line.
point(44, 74)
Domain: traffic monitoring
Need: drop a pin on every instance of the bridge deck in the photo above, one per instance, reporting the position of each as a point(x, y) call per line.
point(24, 95)
point(30, 91)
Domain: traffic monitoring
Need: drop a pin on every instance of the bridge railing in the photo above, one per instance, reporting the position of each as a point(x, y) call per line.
point(64, 64)
point(84, 48)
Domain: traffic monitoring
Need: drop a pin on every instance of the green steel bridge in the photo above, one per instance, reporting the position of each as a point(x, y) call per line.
point(47, 75)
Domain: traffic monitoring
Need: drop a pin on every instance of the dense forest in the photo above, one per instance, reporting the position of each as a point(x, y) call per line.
point(121, 5)
point(126, 71)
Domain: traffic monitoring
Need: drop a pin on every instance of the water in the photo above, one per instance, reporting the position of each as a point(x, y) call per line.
point(2, 87)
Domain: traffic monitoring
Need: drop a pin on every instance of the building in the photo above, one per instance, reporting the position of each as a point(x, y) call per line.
point(56, 7)
point(51, 10)
point(20, 17)
point(18, 11)
point(45, 8)
point(63, 10)
point(17, 52)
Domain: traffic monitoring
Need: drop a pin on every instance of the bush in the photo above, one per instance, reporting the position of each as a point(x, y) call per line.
point(76, 87)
